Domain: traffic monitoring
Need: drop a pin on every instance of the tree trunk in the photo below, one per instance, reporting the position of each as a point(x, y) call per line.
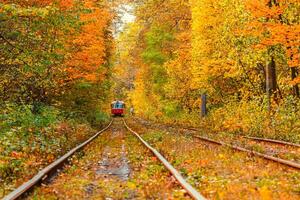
point(271, 80)
point(294, 74)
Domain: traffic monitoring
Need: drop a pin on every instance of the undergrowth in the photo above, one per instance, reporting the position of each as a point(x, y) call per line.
point(235, 117)
point(31, 138)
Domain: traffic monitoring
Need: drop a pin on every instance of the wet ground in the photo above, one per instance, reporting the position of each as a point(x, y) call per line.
point(114, 166)
point(117, 166)
point(114, 162)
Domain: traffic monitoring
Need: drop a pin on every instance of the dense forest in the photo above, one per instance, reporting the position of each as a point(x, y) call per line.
point(63, 61)
point(55, 79)
point(243, 54)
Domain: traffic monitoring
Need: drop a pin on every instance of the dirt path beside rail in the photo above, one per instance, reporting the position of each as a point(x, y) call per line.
point(114, 166)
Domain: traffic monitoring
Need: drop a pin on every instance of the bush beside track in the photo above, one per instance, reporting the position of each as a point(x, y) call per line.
point(31, 140)
point(236, 118)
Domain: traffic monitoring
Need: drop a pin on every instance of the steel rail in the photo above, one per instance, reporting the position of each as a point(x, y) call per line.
point(248, 137)
point(268, 157)
point(272, 158)
point(272, 141)
point(259, 139)
point(190, 190)
point(41, 175)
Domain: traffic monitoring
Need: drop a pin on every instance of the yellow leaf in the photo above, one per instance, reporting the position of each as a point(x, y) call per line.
point(131, 185)
point(265, 193)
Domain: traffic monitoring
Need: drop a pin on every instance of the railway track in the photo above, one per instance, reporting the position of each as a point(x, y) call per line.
point(259, 139)
point(210, 165)
point(272, 141)
point(256, 153)
point(265, 156)
point(191, 191)
point(252, 152)
point(28, 186)
point(43, 174)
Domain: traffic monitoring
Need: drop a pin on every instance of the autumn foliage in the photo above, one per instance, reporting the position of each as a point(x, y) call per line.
point(92, 45)
point(54, 80)
point(61, 62)
point(243, 54)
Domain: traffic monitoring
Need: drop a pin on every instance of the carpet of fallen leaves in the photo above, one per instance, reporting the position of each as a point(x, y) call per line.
point(114, 166)
point(36, 152)
point(287, 152)
point(219, 172)
point(277, 150)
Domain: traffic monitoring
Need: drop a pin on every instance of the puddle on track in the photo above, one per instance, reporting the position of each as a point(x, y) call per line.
point(113, 165)
point(114, 162)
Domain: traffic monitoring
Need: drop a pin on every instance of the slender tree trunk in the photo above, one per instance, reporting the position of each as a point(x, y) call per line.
point(271, 76)
point(294, 74)
point(271, 79)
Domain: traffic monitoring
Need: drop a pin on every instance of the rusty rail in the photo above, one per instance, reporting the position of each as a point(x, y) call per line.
point(190, 190)
point(268, 157)
point(248, 137)
point(272, 141)
point(41, 175)
point(278, 160)
point(257, 138)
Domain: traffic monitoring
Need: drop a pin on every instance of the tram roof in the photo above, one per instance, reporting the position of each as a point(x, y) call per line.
point(118, 102)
